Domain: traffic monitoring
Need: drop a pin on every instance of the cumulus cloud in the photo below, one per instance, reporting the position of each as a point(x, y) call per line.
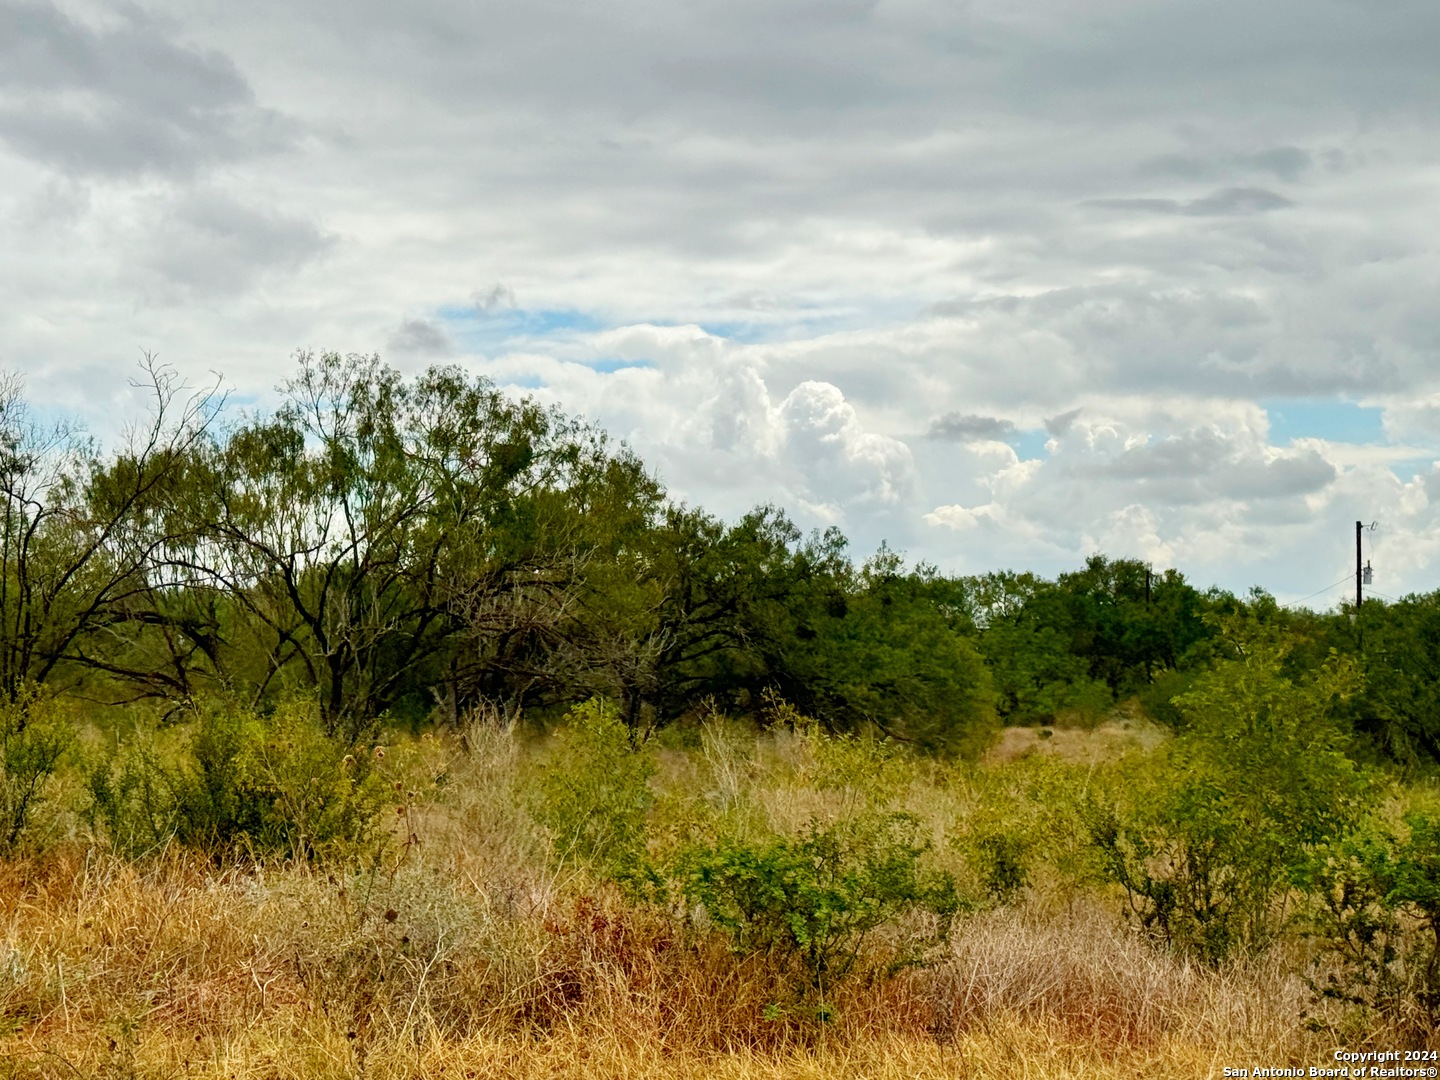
point(840, 467)
point(709, 415)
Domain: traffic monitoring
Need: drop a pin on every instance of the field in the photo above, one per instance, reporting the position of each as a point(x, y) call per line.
point(468, 939)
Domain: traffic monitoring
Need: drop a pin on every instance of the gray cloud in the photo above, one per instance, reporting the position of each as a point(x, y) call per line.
point(1288, 163)
point(1205, 464)
point(497, 297)
point(123, 99)
point(420, 338)
point(892, 206)
point(969, 427)
point(208, 243)
point(1228, 201)
point(1060, 425)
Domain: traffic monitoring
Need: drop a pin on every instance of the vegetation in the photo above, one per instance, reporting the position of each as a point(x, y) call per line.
point(411, 730)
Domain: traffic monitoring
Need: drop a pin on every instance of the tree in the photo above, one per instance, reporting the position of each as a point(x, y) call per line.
point(1398, 647)
point(361, 530)
point(891, 649)
point(688, 609)
point(87, 545)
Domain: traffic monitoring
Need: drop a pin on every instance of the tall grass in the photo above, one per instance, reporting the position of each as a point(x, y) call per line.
point(472, 945)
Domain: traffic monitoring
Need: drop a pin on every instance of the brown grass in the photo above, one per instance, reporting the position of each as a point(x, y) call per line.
point(462, 955)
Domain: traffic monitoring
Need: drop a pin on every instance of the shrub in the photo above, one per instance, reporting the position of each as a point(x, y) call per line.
point(233, 780)
point(869, 771)
point(1377, 919)
point(34, 737)
point(813, 903)
point(1028, 814)
point(1206, 847)
point(594, 791)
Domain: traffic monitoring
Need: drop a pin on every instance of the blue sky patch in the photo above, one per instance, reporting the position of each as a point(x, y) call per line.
point(1029, 445)
point(1337, 421)
point(616, 364)
point(488, 331)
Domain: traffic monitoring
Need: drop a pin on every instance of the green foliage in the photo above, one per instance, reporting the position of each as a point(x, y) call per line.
point(889, 649)
point(34, 737)
point(1072, 647)
point(1209, 838)
point(1027, 816)
point(1004, 858)
point(1376, 915)
point(230, 781)
point(594, 791)
point(1398, 645)
point(814, 902)
point(872, 771)
point(84, 539)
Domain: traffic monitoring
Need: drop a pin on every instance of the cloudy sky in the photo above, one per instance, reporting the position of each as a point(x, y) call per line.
point(1003, 284)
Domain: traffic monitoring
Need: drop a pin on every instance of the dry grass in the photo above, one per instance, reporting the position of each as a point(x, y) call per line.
point(180, 969)
point(1128, 731)
point(463, 955)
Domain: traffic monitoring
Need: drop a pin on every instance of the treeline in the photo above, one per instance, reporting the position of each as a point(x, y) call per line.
point(410, 549)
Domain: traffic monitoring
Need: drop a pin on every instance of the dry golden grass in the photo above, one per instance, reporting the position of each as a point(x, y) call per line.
point(466, 954)
point(1129, 730)
point(181, 969)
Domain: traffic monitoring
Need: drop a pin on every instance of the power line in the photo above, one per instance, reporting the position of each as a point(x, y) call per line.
point(1328, 588)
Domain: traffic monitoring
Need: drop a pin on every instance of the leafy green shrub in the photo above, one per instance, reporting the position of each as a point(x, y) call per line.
point(231, 779)
point(1004, 858)
point(135, 793)
point(1206, 845)
point(1376, 915)
point(874, 771)
point(594, 790)
point(865, 770)
point(1157, 697)
point(813, 903)
point(34, 736)
point(1027, 825)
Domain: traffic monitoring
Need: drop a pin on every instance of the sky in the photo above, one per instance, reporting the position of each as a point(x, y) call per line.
point(1002, 285)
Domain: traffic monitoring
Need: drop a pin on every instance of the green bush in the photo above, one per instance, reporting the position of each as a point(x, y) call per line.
point(1004, 860)
point(868, 771)
point(229, 779)
point(1206, 845)
point(594, 791)
point(34, 736)
point(1376, 916)
point(813, 903)
point(1028, 816)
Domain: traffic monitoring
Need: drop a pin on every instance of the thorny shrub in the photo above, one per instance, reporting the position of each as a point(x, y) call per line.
point(1376, 917)
point(814, 903)
point(230, 780)
point(594, 792)
point(34, 737)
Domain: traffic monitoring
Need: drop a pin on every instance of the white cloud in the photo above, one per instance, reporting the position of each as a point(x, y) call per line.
point(842, 468)
point(863, 259)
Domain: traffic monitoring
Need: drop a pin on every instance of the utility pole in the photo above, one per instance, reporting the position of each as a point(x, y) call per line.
point(1147, 586)
point(1359, 572)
